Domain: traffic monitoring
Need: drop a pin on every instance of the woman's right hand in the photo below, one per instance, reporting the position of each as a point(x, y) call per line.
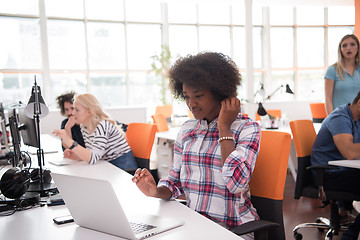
point(145, 182)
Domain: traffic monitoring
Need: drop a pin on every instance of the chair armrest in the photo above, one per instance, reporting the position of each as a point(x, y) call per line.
point(254, 226)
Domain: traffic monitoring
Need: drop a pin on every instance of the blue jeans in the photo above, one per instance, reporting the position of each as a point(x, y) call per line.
point(126, 161)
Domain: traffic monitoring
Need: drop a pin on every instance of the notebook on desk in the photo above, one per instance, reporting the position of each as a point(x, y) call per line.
point(93, 204)
point(59, 160)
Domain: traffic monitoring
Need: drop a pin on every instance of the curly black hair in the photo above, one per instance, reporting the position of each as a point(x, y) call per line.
point(66, 97)
point(206, 70)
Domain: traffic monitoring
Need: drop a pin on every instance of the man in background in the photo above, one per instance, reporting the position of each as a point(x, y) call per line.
point(338, 139)
point(65, 104)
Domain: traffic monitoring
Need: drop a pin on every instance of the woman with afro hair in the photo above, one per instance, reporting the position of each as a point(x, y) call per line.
point(215, 152)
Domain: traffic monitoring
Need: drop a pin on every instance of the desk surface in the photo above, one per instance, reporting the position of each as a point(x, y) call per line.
point(37, 223)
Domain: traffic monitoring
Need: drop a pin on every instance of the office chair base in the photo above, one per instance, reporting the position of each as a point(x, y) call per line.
point(321, 224)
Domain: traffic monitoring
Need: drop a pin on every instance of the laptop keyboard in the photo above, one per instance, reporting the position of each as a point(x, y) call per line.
point(140, 227)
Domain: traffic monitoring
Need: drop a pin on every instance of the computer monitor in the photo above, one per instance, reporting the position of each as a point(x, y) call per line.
point(26, 127)
point(15, 136)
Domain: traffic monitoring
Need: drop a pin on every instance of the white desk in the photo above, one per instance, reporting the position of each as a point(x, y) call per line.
point(37, 223)
point(346, 163)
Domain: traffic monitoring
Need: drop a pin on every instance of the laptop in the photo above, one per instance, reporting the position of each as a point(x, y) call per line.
point(93, 204)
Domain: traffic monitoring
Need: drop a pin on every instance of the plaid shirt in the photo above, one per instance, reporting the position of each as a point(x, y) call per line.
point(221, 193)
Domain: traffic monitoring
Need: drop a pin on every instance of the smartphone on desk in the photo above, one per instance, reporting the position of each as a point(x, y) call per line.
point(63, 219)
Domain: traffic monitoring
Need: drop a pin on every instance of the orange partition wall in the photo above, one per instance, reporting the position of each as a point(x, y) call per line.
point(357, 18)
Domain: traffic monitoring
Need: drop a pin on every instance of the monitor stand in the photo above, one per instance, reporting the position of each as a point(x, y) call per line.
point(26, 200)
point(45, 190)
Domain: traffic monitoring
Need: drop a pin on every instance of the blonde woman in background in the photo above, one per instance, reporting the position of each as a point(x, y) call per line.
point(342, 79)
point(103, 140)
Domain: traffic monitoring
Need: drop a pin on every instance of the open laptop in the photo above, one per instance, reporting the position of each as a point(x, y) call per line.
point(93, 204)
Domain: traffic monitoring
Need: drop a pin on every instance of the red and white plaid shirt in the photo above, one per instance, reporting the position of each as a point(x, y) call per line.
point(221, 193)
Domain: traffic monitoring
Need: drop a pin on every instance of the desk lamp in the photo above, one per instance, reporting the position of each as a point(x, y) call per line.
point(261, 110)
point(36, 109)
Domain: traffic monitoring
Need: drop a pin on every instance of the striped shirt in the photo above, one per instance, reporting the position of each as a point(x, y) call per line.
point(105, 142)
point(221, 193)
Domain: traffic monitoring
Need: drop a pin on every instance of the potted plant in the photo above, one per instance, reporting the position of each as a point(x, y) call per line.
point(160, 67)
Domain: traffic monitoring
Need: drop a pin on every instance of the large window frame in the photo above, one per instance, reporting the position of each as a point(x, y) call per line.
point(133, 78)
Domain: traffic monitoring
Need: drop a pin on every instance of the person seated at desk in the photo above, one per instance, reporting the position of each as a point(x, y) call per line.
point(215, 152)
point(103, 140)
point(65, 103)
point(338, 139)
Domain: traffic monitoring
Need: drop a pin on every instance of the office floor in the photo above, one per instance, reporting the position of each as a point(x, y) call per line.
point(301, 211)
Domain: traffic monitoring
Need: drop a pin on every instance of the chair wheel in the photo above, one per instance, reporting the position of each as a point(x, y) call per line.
point(297, 236)
point(320, 229)
point(329, 236)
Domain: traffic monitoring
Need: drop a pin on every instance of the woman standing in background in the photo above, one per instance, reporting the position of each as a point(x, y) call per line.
point(342, 79)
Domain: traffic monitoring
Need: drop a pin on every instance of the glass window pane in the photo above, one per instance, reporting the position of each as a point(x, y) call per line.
point(20, 6)
point(65, 82)
point(257, 15)
point(257, 47)
point(20, 46)
point(214, 13)
point(316, 13)
point(142, 89)
point(341, 15)
point(281, 78)
point(238, 14)
point(181, 12)
point(15, 87)
point(239, 53)
point(105, 9)
point(64, 8)
point(66, 44)
point(311, 85)
point(145, 11)
point(103, 84)
point(106, 45)
point(144, 41)
point(188, 36)
point(215, 39)
point(335, 35)
point(281, 15)
point(310, 49)
point(282, 47)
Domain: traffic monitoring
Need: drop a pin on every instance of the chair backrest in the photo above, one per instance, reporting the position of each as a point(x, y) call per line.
point(140, 137)
point(272, 112)
point(318, 112)
point(165, 110)
point(160, 122)
point(303, 137)
point(268, 179)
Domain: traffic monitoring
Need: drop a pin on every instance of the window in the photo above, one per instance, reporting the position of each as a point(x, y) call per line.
point(105, 47)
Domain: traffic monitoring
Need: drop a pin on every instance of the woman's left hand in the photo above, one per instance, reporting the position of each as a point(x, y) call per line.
point(70, 154)
point(230, 108)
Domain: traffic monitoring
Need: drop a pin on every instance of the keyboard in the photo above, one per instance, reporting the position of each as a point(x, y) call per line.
point(140, 227)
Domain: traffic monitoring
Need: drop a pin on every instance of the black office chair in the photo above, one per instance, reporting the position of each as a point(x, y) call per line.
point(304, 136)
